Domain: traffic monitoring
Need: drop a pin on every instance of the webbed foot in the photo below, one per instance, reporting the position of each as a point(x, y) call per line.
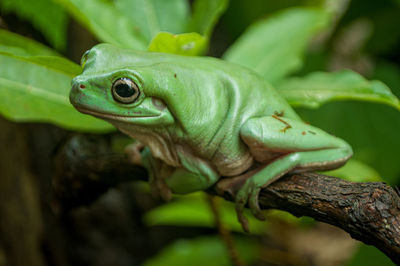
point(248, 194)
point(140, 155)
point(244, 192)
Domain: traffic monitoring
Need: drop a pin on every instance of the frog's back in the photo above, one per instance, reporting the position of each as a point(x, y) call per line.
point(239, 94)
point(209, 97)
point(244, 95)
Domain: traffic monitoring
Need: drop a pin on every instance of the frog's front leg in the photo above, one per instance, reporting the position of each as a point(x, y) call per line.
point(297, 147)
point(158, 172)
point(195, 174)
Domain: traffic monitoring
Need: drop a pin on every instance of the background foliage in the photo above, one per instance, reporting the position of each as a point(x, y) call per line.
point(334, 60)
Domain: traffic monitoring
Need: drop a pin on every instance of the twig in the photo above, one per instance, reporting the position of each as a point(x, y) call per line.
point(224, 233)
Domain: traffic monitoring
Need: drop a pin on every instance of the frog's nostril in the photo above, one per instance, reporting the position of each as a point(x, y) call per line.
point(76, 86)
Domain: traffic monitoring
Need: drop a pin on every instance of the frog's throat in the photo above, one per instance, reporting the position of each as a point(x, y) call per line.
point(112, 116)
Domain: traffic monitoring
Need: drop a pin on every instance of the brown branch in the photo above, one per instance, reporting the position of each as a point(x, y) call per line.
point(369, 212)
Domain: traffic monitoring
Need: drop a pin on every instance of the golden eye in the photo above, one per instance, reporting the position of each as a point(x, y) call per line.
point(84, 58)
point(124, 90)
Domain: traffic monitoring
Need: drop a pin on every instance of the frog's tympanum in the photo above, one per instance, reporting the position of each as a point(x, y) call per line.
point(201, 119)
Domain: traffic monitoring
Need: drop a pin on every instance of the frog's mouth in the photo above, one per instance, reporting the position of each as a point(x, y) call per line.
point(109, 116)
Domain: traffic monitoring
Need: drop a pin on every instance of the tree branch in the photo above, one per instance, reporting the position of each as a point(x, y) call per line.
point(370, 212)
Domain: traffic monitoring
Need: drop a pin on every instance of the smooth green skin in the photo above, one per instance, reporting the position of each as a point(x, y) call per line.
point(202, 119)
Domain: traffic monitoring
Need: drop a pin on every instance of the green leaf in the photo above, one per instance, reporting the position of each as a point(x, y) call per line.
point(194, 210)
point(356, 171)
point(273, 47)
point(205, 15)
point(37, 89)
point(106, 22)
point(19, 45)
point(320, 87)
point(369, 256)
point(371, 129)
point(153, 16)
point(182, 44)
point(203, 251)
point(46, 16)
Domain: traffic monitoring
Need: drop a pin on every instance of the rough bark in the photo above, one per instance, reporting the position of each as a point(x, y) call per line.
point(369, 212)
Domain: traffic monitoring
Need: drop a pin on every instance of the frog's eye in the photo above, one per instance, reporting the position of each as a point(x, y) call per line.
point(124, 90)
point(84, 58)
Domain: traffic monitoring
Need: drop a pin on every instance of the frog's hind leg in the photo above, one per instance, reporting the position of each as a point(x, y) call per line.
point(301, 147)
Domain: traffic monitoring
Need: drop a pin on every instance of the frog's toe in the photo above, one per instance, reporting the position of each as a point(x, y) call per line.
point(248, 193)
point(241, 200)
point(254, 206)
point(165, 192)
point(241, 218)
point(160, 189)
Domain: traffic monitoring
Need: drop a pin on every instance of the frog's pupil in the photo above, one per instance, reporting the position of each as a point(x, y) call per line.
point(124, 90)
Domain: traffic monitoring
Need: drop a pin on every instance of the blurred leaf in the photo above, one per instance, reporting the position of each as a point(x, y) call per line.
point(41, 93)
point(194, 210)
point(389, 73)
point(372, 130)
point(182, 44)
point(46, 16)
point(273, 47)
point(205, 15)
point(106, 22)
point(152, 16)
point(320, 87)
point(203, 251)
point(240, 14)
point(20, 45)
point(369, 256)
point(356, 171)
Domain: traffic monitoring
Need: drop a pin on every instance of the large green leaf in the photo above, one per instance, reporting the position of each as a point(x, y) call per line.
point(273, 47)
point(19, 45)
point(204, 250)
point(320, 87)
point(205, 15)
point(356, 171)
point(152, 16)
point(107, 22)
point(369, 256)
point(182, 44)
point(37, 89)
point(46, 16)
point(371, 129)
point(194, 210)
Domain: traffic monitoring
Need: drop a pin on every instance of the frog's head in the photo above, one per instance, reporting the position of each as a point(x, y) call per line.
point(149, 89)
point(113, 86)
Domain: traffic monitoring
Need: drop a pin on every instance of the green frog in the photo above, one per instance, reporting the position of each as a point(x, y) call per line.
point(201, 119)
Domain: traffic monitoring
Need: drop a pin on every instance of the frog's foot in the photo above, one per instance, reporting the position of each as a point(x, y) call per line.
point(133, 152)
point(248, 194)
point(159, 188)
